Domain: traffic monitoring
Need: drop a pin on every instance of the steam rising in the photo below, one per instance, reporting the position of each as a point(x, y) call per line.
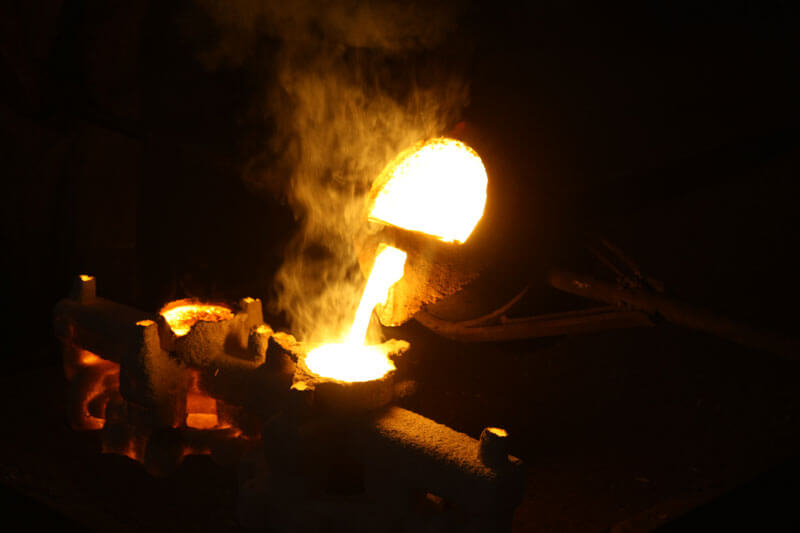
point(348, 96)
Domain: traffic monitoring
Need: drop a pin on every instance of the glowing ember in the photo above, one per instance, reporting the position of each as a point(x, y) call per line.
point(437, 187)
point(183, 314)
point(352, 360)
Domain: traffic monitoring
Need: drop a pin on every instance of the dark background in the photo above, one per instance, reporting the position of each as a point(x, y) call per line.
point(671, 130)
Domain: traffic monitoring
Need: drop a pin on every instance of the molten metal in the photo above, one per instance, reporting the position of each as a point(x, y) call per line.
point(349, 362)
point(352, 360)
point(437, 187)
point(387, 270)
point(181, 315)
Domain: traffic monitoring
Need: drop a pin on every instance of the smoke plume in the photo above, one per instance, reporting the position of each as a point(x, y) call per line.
point(352, 84)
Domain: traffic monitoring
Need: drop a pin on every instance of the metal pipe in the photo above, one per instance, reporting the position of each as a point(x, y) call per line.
point(676, 312)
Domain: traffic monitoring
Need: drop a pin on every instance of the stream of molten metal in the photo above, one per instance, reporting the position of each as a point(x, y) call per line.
point(352, 360)
point(437, 187)
point(387, 270)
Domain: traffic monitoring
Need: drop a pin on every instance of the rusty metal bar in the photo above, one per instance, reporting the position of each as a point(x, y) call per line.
point(676, 312)
point(547, 325)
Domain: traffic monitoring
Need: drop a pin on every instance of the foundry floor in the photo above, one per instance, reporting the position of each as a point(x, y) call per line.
point(621, 431)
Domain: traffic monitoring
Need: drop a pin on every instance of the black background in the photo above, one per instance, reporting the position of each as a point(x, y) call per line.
point(671, 130)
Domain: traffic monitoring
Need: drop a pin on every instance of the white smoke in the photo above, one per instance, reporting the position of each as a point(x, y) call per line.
point(346, 101)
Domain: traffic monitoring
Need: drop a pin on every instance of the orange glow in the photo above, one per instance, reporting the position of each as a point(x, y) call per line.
point(85, 277)
point(181, 315)
point(201, 409)
point(352, 360)
point(95, 391)
point(500, 432)
point(437, 187)
point(133, 445)
point(87, 358)
point(202, 420)
point(98, 379)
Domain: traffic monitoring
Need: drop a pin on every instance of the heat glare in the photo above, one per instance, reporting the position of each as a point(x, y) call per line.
point(353, 360)
point(181, 315)
point(437, 187)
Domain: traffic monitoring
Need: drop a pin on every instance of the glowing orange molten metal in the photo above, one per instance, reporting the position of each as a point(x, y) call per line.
point(437, 187)
point(181, 315)
point(352, 360)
